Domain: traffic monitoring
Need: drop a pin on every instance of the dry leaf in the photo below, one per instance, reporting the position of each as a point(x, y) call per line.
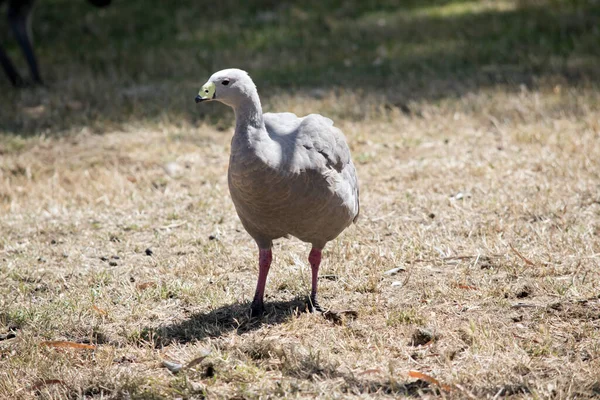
point(198, 360)
point(99, 310)
point(464, 286)
point(146, 285)
point(64, 344)
point(428, 379)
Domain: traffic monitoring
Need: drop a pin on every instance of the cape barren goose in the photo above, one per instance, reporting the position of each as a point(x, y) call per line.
point(287, 175)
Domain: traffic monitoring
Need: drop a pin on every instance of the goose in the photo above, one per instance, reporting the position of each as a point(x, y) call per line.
point(287, 176)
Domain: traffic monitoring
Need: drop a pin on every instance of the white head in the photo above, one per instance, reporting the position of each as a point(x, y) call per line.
point(229, 86)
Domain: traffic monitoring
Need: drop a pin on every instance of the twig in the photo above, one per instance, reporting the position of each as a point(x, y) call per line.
point(528, 262)
point(432, 260)
point(171, 226)
point(525, 305)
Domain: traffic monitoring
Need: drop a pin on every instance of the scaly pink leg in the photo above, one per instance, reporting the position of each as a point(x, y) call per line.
point(314, 258)
point(264, 263)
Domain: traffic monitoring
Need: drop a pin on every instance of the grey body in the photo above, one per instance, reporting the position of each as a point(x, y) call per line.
point(294, 177)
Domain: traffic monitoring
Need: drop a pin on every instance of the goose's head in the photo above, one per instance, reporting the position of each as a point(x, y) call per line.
point(229, 86)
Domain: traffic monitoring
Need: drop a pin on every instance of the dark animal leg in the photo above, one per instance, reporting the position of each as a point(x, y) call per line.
point(19, 12)
point(9, 69)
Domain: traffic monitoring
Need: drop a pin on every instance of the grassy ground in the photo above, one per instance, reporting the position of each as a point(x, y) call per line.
point(475, 127)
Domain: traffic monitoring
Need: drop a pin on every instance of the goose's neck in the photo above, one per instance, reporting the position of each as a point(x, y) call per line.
point(249, 115)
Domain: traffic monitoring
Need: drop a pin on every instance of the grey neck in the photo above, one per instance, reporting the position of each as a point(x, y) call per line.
point(248, 115)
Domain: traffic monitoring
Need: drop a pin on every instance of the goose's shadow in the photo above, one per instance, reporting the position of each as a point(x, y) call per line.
point(215, 323)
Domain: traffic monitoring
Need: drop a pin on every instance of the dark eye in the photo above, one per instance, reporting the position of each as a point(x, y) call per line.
point(225, 82)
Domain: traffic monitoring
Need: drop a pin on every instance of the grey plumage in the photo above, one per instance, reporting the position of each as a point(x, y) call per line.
point(294, 177)
point(287, 175)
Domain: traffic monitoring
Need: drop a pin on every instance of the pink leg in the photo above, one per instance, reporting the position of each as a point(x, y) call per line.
point(264, 263)
point(315, 261)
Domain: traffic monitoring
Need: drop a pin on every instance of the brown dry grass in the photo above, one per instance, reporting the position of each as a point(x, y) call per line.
point(477, 141)
point(506, 276)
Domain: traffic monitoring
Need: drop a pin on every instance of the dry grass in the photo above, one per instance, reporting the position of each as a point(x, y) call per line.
point(523, 320)
point(486, 196)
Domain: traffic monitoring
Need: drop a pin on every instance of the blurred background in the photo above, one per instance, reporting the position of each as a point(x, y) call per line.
point(143, 61)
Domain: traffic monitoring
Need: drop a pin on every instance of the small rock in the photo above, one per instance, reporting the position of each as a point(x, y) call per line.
point(172, 169)
point(431, 215)
point(396, 283)
point(115, 257)
point(149, 251)
point(42, 259)
point(214, 236)
point(112, 263)
point(172, 366)
point(104, 258)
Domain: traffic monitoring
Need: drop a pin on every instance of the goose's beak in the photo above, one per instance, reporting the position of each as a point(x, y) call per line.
point(206, 93)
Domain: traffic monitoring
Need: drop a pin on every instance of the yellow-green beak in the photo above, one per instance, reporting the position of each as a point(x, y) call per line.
point(206, 93)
